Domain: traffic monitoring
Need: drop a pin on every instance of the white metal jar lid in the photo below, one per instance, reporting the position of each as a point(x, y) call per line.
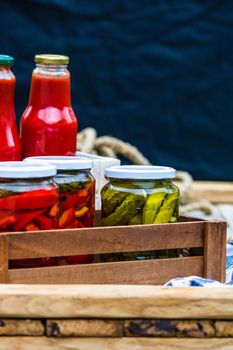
point(140, 172)
point(63, 162)
point(23, 170)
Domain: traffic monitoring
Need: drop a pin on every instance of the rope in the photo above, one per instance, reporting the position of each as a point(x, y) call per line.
point(109, 146)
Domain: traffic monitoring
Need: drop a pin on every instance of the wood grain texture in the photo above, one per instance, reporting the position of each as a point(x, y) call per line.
point(169, 328)
point(105, 240)
point(115, 301)
point(45, 343)
point(21, 327)
point(3, 258)
point(214, 191)
point(214, 254)
point(224, 328)
point(127, 272)
point(84, 328)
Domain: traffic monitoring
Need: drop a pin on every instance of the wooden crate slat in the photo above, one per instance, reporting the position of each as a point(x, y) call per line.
point(45, 343)
point(105, 240)
point(21, 327)
point(214, 256)
point(3, 258)
point(115, 301)
point(84, 328)
point(127, 272)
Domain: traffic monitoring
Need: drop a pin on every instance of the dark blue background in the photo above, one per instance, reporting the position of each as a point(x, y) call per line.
point(157, 74)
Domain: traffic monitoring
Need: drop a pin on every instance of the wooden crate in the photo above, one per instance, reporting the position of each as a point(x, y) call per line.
point(210, 237)
point(115, 317)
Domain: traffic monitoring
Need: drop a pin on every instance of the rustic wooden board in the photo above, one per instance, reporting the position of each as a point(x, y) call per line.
point(224, 328)
point(117, 328)
point(115, 301)
point(3, 258)
point(170, 328)
point(45, 343)
point(215, 237)
point(84, 328)
point(100, 240)
point(21, 327)
point(214, 191)
point(125, 272)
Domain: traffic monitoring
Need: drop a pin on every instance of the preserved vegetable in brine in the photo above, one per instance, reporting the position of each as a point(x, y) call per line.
point(137, 195)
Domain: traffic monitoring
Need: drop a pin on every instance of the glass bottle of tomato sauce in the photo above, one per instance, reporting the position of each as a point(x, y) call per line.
point(10, 145)
point(49, 125)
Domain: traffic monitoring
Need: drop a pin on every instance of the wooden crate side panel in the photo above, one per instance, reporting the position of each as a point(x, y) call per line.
point(127, 272)
point(215, 251)
point(84, 328)
point(45, 343)
point(3, 259)
point(115, 301)
point(116, 328)
point(21, 327)
point(105, 240)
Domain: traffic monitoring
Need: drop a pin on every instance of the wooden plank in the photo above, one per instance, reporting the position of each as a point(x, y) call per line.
point(115, 301)
point(84, 328)
point(3, 258)
point(45, 343)
point(21, 327)
point(99, 240)
point(224, 328)
point(127, 272)
point(214, 191)
point(215, 251)
point(170, 328)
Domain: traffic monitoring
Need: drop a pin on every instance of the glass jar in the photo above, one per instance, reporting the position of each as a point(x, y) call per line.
point(48, 124)
point(10, 145)
point(28, 196)
point(136, 195)
point(76, 194)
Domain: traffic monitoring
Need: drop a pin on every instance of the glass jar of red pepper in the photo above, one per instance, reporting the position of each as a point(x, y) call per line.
point(28, 200)
point(76, 194)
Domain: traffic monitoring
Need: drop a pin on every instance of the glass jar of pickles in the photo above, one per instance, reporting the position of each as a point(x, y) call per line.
point(76, 194)
point(136, 195)
point(28, 196)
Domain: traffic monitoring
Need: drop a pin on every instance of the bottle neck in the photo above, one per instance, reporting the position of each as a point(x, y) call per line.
point(50, 87)
point(7, 90)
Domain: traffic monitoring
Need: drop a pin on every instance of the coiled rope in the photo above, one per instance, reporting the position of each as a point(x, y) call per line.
point(109, 146)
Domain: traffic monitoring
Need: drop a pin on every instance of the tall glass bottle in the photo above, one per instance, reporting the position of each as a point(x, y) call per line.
point(48, 124)
point(10, 145)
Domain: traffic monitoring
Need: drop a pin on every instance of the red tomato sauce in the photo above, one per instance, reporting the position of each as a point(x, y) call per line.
point(10, 145)
point(49, 125)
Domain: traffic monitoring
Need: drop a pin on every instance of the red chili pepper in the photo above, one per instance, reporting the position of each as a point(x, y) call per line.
point(7, 221)
point(44, 222)
point(79, 259)
point(78, 199)
point(67, 217)
point(81, 212)
point(75, 224)
point(88, 220)
point(91, 187)
point(54, 210)
point(36, 199)
point(24, 217)
point(31, 227)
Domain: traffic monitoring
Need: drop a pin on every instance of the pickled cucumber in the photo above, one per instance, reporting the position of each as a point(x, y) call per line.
point(151, 207)
point(111, 199)
point(165, 212)
point(136, 220)
point(125, 211)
